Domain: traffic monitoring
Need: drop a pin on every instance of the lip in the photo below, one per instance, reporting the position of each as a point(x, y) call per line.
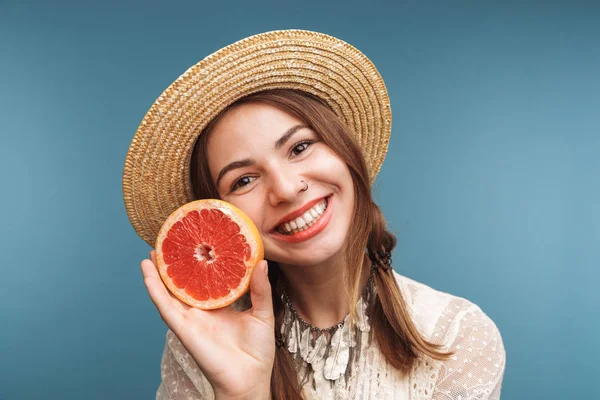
point(299, 212)
point(313, 230)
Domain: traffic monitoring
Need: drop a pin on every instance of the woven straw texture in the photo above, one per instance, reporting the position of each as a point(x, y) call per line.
point(156, 177)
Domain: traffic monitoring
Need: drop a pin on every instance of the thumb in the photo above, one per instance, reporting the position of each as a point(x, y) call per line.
point(260, 293)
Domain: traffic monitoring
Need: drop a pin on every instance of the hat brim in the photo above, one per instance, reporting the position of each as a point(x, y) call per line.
point(156, 176)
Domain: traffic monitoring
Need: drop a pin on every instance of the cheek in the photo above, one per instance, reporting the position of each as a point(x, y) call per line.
point(338, 173)
point(252, 208)
point(329, 163)
point(335, 170)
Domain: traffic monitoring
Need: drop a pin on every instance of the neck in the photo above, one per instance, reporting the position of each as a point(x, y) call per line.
point(318, 292)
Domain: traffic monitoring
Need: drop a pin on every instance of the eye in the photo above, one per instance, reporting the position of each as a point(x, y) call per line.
point(301, 146)
point(243, 181)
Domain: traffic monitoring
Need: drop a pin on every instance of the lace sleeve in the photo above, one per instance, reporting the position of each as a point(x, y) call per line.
point(181, 377)
point(476, 369)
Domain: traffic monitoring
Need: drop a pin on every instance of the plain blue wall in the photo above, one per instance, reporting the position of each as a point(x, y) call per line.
point(491, 182)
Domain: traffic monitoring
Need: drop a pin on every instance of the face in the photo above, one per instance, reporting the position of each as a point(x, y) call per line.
point(258, 156)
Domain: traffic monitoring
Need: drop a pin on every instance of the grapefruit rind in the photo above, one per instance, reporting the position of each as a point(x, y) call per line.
point(247, 228)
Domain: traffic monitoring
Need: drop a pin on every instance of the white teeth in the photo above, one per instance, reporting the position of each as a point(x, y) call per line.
point(300, 222)
point(307, 219)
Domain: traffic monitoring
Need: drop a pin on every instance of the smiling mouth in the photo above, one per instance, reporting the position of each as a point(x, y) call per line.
point(305, 221)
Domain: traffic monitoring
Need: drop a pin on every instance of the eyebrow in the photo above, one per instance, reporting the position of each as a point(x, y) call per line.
point(287, 135)
point(246, 162)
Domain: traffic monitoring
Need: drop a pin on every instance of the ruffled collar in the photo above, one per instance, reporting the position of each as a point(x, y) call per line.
point(331, 349)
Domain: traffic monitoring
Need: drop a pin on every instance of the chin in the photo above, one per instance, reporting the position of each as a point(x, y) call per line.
point(316, 254)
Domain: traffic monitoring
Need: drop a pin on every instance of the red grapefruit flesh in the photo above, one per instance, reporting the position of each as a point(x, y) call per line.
point(206, 251)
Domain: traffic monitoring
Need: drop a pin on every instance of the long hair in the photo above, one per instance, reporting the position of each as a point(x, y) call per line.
point(393, 329)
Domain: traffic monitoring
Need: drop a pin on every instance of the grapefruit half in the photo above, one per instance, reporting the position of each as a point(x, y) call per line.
point(206, 251)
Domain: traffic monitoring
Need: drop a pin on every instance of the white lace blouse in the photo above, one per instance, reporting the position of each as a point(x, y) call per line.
point(475, 371)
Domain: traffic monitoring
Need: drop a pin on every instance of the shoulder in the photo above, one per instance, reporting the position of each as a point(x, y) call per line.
point(425, 304)
point(439, 314)
point(476, 367)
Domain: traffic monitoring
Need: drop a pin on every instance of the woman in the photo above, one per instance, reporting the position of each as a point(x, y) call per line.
point(292, 128)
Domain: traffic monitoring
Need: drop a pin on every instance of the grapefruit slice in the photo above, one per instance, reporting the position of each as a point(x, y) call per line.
point(206, 251)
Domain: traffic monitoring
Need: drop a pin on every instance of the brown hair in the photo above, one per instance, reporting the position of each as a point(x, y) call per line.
point(393, 329)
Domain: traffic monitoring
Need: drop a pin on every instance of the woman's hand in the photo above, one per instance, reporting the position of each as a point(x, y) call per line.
point(234, 350)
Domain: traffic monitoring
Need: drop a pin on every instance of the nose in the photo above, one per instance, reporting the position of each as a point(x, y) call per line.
point(285, 187)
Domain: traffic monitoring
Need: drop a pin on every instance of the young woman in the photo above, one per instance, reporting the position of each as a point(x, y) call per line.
point(292, 128)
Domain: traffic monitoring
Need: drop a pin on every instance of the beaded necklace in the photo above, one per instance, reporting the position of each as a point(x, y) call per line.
point(335, 345)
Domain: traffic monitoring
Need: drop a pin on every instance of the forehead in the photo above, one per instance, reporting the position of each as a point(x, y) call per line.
point(247, 127)
point(257, 118)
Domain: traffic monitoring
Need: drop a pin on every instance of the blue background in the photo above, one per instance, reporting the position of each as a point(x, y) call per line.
point(491, 183)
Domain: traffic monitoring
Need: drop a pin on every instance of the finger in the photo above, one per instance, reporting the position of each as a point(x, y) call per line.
point(176, 302)
point(260, 293)
point(181, 306)
point(156, 288)
point(160, 296)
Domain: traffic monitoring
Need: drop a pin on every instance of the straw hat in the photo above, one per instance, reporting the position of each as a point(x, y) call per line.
point(156, 177)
